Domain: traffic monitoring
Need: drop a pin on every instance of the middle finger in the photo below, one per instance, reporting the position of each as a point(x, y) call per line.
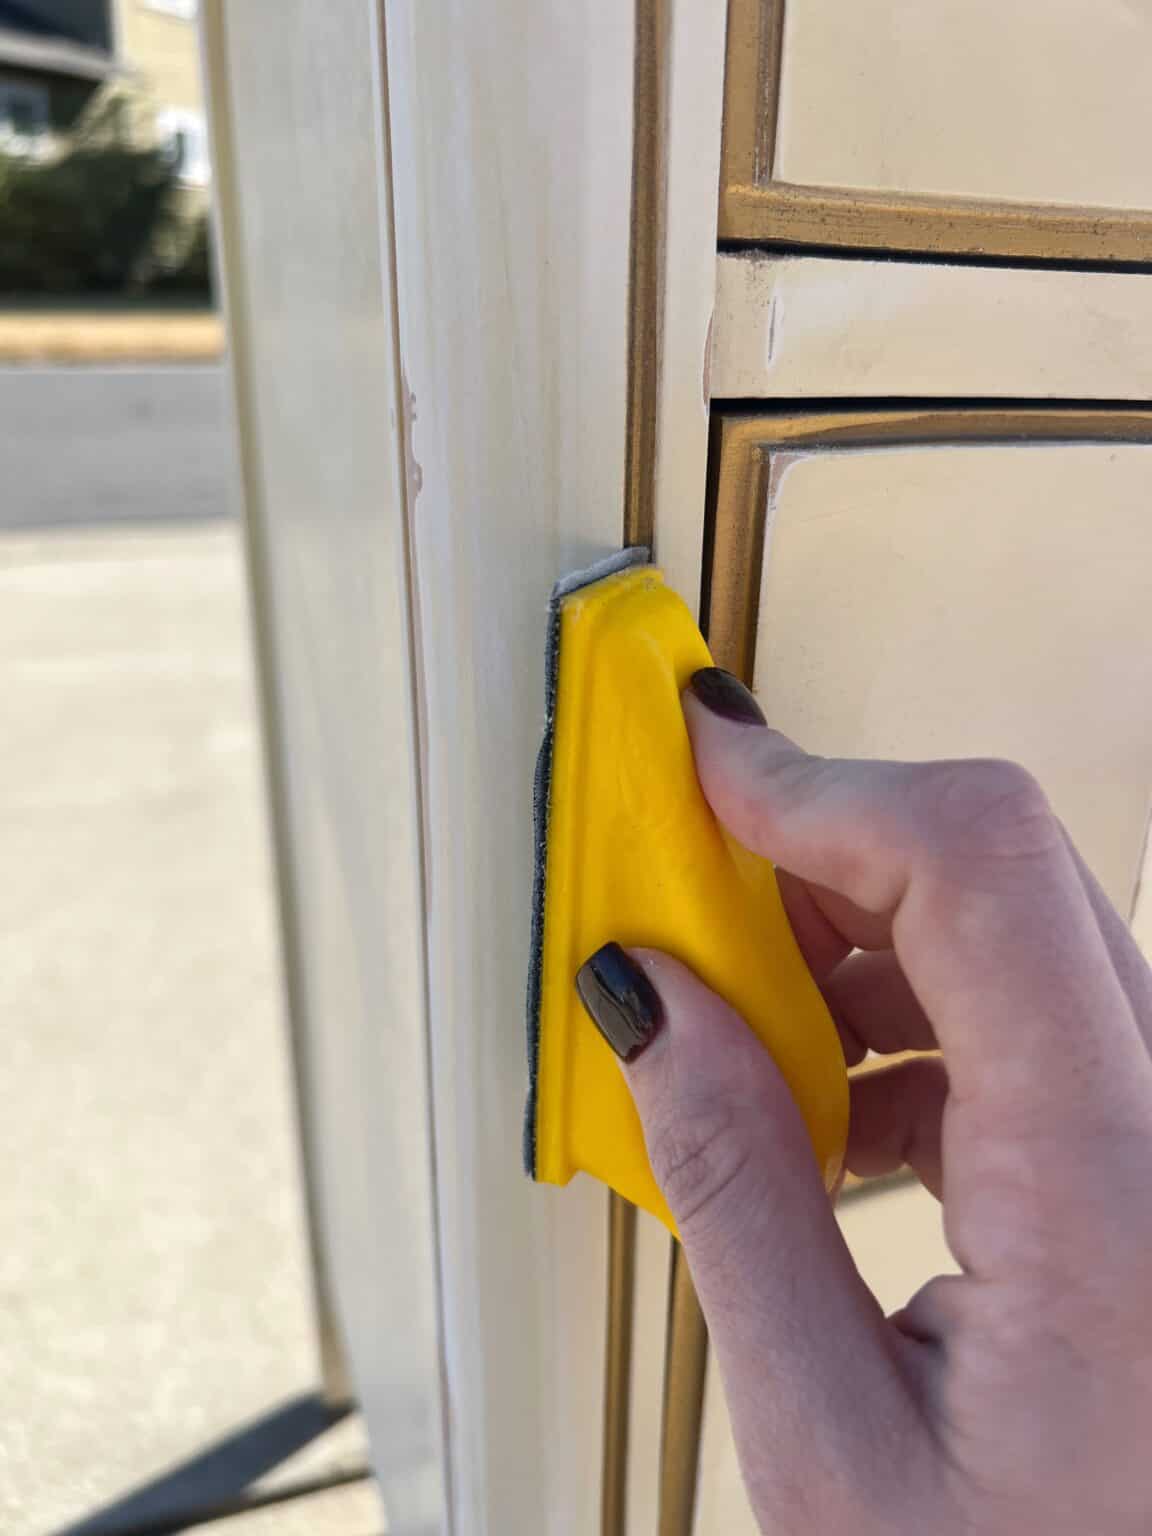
point(875, 1008)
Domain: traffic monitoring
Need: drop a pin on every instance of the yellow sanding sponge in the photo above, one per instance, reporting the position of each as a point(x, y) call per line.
point(629, 849)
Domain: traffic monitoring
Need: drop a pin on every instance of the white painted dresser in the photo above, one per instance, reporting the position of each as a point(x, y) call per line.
point(848, 310)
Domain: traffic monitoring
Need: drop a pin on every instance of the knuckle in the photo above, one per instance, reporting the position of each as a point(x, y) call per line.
point(987, 807)
point(697, 1153)
point(778, 784)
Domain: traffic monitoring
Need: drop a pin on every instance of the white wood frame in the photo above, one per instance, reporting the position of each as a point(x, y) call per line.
point(695, 64)
point(511, 224)
point(296, 93)
point(696, 105)
point(430, 362)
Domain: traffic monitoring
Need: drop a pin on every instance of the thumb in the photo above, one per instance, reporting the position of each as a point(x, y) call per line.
point(797, 1334)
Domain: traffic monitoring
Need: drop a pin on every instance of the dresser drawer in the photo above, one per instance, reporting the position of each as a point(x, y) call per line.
point(804, 327)
point(965, 583)
point(952, 125)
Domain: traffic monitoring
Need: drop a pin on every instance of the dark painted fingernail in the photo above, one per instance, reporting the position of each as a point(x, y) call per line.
point(726, 696)
point(622, 1003)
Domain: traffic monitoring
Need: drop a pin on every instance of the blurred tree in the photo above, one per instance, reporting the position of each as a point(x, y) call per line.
point(187, 268)
point(103, 217)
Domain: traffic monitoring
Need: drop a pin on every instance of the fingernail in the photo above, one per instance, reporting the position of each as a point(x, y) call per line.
point(622, 1003)
point(726, 696)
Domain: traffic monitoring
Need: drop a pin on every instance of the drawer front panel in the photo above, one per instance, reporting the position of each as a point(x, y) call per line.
point(804, 327)
point(945, 597)
point(1040, 101)
point(952, 126)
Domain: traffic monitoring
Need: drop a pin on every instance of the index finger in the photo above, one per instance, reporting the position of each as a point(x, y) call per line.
point(990, 918)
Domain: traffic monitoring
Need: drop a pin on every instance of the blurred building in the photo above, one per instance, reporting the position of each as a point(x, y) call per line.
point(56, 57)
point(132, 65)
point(157, 48)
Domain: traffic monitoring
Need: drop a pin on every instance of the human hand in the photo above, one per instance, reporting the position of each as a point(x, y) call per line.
point(1016, 1396)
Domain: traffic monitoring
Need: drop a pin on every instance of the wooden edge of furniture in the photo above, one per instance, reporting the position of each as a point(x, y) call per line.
point(618, 1340)
point(686, 1338)
point(651, 67)
point(754, 206)
point(745, 444)
point(335, 1374)
point(682, 1418)
point(645, 300)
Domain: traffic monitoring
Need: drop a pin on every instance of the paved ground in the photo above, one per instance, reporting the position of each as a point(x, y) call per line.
point(113, 444)
point(153, 1295)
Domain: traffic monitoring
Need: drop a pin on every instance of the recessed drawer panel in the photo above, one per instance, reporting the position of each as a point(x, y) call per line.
point(920, 586)
point(1040, 101)
point(965, 125)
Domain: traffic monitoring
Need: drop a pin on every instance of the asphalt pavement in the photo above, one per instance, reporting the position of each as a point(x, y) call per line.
point(100, 445)
point(156, 1334)
point(156, 1329)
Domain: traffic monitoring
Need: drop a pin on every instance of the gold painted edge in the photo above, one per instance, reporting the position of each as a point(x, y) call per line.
point(618, 1365)
point(855, 1188)
point(744, 446)
point(847, 427)
point(755, 207)
point(685, 1371)
point(650, 87)
point(651, 65)
point(795, 215)
point(737, 548)
point(752, 59)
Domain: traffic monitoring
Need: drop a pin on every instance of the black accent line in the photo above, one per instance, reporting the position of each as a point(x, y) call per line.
point(929, 258)
point(817, 405)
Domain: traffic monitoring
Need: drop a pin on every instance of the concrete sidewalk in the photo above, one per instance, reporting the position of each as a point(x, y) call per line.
point(153, 1271)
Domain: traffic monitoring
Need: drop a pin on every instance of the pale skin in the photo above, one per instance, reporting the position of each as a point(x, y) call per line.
point(937, 905)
